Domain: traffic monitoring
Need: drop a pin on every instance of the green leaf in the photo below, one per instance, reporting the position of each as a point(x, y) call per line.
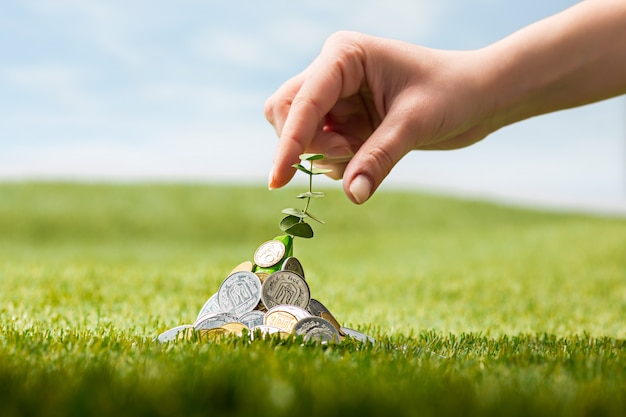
point(314, 194)
point(302, 168)
point(295, 212)
point(311, 156)
point(288, 221)
point(314, 218)
point(301, 229)
point(317, 171)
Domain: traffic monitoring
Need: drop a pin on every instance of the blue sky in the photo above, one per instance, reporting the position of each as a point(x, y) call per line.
point(173, 91)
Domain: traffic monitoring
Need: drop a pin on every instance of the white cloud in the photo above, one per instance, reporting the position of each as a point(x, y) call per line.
point(103, 23)
point(402, 19)
point(189, 153)
point(174, 90)
point(285, 35)
point(210, 99)
point(235, 48)
point(61, 83)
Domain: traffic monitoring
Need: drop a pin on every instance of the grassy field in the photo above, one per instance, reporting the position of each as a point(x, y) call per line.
point(478, 309)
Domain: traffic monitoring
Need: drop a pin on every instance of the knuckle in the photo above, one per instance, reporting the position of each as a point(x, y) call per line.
point(345, 53)
point(268, 109)
point(310, 104)
point(344, 38)
point(346, 45)
point(381, 160)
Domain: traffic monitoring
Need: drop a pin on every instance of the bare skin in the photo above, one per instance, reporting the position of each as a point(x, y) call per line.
point(366, 101)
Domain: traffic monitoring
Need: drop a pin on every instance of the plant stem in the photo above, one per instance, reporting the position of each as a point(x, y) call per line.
point(308, 200)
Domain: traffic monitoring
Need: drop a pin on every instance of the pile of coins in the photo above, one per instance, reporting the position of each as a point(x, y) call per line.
point(269, 296)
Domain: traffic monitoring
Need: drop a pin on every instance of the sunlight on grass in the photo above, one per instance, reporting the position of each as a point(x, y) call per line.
point(515, 311)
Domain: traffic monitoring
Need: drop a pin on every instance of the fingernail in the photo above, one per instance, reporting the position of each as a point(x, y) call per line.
point(360, 189)
point(343, 152)
point(270, 181)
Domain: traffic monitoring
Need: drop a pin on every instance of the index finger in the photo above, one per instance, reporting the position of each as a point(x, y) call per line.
point(335, 73)
point(308, 108)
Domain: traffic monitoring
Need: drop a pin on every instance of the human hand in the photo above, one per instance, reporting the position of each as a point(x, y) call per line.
point(365, 102)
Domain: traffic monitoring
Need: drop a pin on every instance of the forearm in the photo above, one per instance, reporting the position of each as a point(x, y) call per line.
point(573, 58)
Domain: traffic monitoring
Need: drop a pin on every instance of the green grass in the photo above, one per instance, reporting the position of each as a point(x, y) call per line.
point(479, 309)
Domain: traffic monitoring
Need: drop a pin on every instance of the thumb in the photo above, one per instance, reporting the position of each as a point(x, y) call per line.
point(375, 159)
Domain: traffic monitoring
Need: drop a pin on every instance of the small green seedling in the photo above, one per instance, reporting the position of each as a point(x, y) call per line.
point(294, 223)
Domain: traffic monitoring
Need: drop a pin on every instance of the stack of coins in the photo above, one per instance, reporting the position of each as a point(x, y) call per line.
point(269, 296)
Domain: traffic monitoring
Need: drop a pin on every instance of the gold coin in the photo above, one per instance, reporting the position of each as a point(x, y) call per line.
point(261, 307)
point(235, 328)
point(262, 276)
point(328, 316)
point(281, 319)
point(244, 266)
point(211, 334)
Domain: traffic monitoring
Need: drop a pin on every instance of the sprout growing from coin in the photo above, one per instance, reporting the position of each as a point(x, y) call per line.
point(294, 224)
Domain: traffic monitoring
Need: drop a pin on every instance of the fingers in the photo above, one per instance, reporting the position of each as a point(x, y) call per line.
point(277, 106)
point(297, 117)
point(298, 108)
point(377, 156)
point(276, 110)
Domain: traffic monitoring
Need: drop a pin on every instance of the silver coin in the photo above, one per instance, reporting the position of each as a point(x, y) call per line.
point(316, 329)
point(357, 335)
point(211, 306)
point(293, 264)
point(285, 287)
point(269, 253)
point(172, 334)
point(239, 293)
point(265, 330)
point(213, 320)
point(298, 312)
point(252, 318)
point(316, 308)
point(319, 310)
